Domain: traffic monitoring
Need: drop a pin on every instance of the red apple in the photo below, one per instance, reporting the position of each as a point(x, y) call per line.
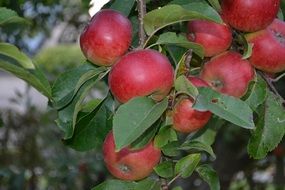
point(228, 73)
point(249, 15)
point(269, 48)
point(141, 73)
point(185, 118)
point(215, 38)
point(106, 38)
point(130, 164)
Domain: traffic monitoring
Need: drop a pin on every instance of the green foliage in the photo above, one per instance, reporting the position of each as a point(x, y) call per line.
point(186, 165)
point(209, 175)
point(226, 107)
point(58, 59)
point(123, 6)
point(270, 127)
point(142, 119)
point(157, 19)
point(8, 16)
point(17, 63)
point(183, 85)
point(165, 169)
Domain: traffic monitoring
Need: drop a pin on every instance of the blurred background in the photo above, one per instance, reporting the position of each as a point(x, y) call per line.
point(32, 155)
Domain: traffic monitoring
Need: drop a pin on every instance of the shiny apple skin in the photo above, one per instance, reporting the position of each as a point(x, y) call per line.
point(215, 38)
point(185, 118)
point(130, 164)
point(249, 15)
point(228, 73)
point(106, 38)
point(141, 73)
point(268, 53)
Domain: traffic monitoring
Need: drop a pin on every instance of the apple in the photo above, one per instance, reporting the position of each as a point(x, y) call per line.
point(185, 118)
point(141, 73)
point(249, 15)
point(130, 164)
point(106, 38)
point(228, 73)
point(268, 53)
point(215, 38)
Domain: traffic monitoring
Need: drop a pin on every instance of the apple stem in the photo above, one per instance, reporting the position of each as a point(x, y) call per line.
point(278, 78)
point(176, 177)
point(141, 5)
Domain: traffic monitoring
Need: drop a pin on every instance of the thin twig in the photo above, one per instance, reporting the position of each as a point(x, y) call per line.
point(141, 5)
point(271, 86)
point(171, 181)
point(164, 185)
point(278, 78)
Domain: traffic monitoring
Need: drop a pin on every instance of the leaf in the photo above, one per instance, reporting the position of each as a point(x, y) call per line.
point(91, 130)
point(147, 184)
point(115, 185)
point(208, 174)
point(146, 137)
point(187, 165)
point(171, 38)
point(215, 4)
point(198, 145)
point(270, 128)
point(17, 63)
point(171, 149)
point(123, 6)
point(14, 53)
point(8, 16)
point(258, 93)
point(133, 118)
point(171, 14)
point(68, 83)
point(67, 116)
point(165, 169)
point(226, 107)
point(165, 135)
point(183, 85)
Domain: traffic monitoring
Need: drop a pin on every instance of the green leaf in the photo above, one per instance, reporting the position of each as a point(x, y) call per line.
point(147, 184)
point(270, 128)
point(68, 83)
point(67, 116)
point(14, 53)
point(209, 175)
point(226, 107)
point(177, 188)
point(165, 135)
point(199, 146)
point(248, 51)
point(258, 93)
point(146, 137)
point(17, 63)
point(171, 149)
point(8, 16)
point(91, 130)
point(171, 38)
point(115, 185)
point(187, 165)
point(182, 84)
point(133, 118)
point(165, 169)
point(123, 6)
point(171, 14)
point(215, 4)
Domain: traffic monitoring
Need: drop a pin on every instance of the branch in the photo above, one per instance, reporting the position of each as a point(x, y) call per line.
point(269, 81)
point(142, 11)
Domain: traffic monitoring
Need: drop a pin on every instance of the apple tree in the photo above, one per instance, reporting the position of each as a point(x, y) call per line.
point(176, 73)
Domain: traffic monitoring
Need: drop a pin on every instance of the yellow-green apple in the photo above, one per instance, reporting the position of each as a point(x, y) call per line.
point(106, 38)
point(215, 38)
point(228, 73)
point(141, 73)
point(185, 118)
point(130, 164)
point(268, 53)
point(249, 15)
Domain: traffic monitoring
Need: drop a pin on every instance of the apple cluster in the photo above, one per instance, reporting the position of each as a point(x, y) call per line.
point(144, 72)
